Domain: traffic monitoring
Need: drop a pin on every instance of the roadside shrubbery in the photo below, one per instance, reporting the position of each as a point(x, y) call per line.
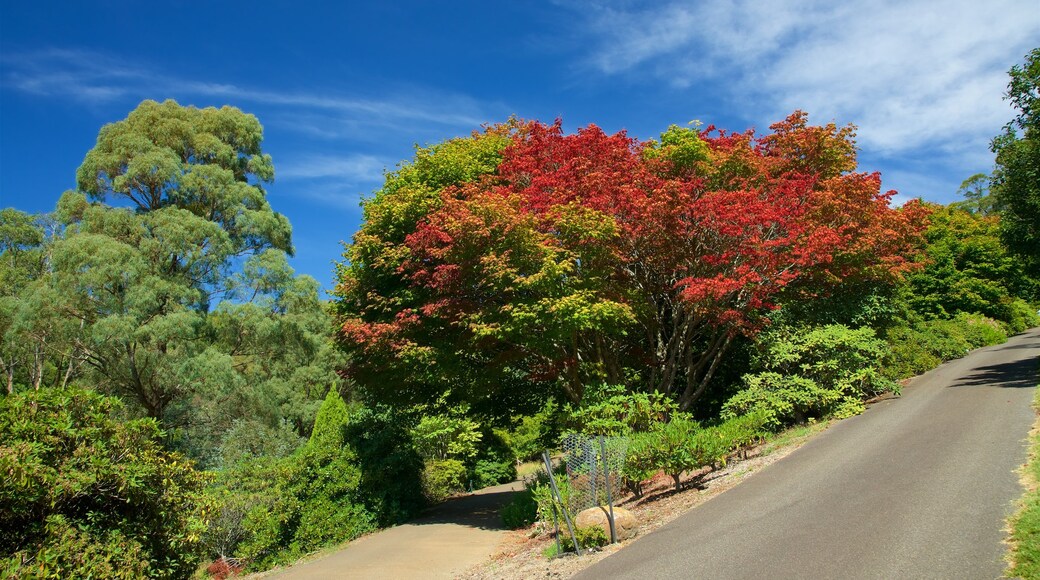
point(920, 346)
point(85, 494)
point(813, 373)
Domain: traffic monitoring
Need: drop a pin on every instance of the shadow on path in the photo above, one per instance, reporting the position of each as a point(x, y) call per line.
point(1019, 374)
point(480, 510)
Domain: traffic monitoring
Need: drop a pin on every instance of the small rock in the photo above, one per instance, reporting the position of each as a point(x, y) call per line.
point(625, 523)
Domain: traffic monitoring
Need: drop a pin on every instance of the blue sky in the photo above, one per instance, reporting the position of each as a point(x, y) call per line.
point(345, 89)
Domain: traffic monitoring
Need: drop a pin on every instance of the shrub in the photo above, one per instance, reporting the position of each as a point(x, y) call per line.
point(391, 469)
point(494, 462)
point(745, 431)
point(588, 537)
point(521, 511)
point(443, 478)
point(303, 502)
point(809, 373)
point(534, 433)
point(452, 436)
point(613, 410)
point(673, 448)
point(548, 508)
point(781, 400)
point(924, 345)
point(85, 495)
point(979, 330)
point(639, 464)
point(1021, 316)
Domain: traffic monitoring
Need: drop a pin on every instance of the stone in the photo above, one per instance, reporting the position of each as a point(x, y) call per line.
point(626, 525)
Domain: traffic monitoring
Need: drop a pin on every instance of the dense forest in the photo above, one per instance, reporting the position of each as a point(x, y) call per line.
point(176, 397)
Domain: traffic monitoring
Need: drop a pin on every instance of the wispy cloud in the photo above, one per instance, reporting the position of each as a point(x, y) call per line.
point(95, 78)
point(351, 168)
point(357, 127)
point(909, 72)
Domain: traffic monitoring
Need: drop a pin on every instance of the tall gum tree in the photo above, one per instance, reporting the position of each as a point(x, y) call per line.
point(166, 282)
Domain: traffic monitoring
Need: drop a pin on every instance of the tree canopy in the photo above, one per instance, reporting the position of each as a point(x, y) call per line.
point(1016, 180)
point(549, 262)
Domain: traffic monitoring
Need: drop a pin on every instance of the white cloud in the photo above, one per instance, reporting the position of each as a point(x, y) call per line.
point(95, 78)
point(908, 73)
point(350, 168)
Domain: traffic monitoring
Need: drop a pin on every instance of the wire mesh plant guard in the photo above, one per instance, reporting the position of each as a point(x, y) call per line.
point(594, 471)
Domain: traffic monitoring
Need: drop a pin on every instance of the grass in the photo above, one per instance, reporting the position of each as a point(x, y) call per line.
point(1024, 554)
point(529, 468)
point(794, 435)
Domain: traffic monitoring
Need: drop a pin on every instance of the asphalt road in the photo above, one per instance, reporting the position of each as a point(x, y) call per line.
point(916, 487)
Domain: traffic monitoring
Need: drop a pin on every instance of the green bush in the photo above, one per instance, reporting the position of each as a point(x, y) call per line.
point(495, 462)
point(781, 400)
point(548, 508)
point(1021, 316)
point(979, 330)
point(532, 434)
point(613, 410)
point(921, 346)
point(521, 511)
point(639, 464)
point(674, 448)
point(391, 469)
point(443, 478)
point(745, 431)
point(588, 537)
point(815, 372)
point(86, 495)
point(303, 502)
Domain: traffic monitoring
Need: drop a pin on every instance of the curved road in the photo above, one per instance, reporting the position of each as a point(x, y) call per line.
point(916, 487)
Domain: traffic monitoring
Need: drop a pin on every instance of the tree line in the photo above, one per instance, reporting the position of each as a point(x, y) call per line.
point(175, 394)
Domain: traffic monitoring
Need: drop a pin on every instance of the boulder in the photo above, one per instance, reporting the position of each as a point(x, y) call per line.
point(625, 523)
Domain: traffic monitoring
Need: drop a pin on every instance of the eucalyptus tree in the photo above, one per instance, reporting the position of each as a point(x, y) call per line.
point(168, 272)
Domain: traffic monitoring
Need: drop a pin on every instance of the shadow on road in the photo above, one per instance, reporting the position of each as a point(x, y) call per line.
point(475, 511)
point(1020, 374)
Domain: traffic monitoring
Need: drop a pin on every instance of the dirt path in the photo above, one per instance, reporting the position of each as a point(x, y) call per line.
point(448, 539)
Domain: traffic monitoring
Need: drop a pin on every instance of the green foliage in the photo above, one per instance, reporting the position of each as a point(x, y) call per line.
point(813, 373)
point(640, 464)
point(178, 297)
point(1016, 181)
point(207, 161)
point(588, 537)
point(391, 469)
point(358, 471)
point(745, 431)
point(330, 423)
point(521, 511)
point(247, 439)
point(785, 400)
point(532, 434)
point(448, 436)
point(87, 494)
point(442, 478)
point(674, 448)
point(921, 346)
point(968, 269)
point(682, 147)
point(613, 410)
point(494, 463)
